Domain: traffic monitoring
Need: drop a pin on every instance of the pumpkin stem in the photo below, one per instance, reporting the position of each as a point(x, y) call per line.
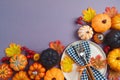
point(104, 21)
point(118, 58)
point(53, 78)
point(87, 32)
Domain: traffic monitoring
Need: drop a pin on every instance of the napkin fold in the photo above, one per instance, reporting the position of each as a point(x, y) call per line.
point(72, 53)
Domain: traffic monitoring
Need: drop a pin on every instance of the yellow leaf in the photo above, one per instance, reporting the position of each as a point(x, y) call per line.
point(13, 49)
point(88, 14)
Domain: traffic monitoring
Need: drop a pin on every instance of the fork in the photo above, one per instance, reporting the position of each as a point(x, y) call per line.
point(82, 55)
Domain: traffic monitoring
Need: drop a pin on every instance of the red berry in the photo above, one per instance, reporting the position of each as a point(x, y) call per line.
point(106, 49)
point(28, 56)
point(5, 59)
point(23, 48)
point(31, 56)
point(80, 22)
point(80, 18)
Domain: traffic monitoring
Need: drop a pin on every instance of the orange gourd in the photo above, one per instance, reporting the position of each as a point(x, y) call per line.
point(54, 74)
point(98, 38)
point(5, 72)
point(113, 59)
point(36, 71)
point(116, 22)
point(21, 75)
point(101, 23)
point(18, 62)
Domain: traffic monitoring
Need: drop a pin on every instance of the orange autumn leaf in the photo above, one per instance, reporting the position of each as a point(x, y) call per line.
point(98, 62)
point(56, 45)
point(111, 11)
point(113, 75)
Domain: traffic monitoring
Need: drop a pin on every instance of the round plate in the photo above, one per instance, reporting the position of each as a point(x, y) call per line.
point(95, 50)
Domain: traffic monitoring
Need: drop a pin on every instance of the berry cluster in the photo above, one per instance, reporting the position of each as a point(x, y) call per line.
point(29, 53)
point(79, 20)
point(5, 59)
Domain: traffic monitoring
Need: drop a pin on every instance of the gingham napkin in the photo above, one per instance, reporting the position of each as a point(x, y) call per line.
point(72, 53)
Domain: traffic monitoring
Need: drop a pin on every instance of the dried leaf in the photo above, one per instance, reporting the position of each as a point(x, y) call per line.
point(97, 62)
point(113, 75)
point(111, 11)
point(56, 45)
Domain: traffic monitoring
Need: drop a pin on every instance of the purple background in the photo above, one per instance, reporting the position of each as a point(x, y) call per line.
point(34, 23)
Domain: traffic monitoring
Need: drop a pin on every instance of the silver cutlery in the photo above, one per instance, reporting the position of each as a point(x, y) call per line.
point(82, 55)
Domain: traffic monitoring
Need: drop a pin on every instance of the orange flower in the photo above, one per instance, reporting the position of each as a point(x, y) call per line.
point(111, 11)
point(56, 45)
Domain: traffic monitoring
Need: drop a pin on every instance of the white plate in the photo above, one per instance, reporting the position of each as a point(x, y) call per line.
point(95, 50)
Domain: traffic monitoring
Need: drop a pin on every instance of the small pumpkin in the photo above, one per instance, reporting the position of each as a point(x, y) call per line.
point(98, 38)
point(101, 23)
point(36, 71)
point(49, 58)
point(54, 74)
point(85, 32)
point(112, 39)
point(116, 22)
point(21, 75)
point(113, 59)
point(36, 57)
point(5, 71)
point(18, 62)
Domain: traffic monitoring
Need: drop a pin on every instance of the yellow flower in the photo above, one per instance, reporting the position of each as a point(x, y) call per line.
point(88, 14)
point(36, 57)
point(13, 49)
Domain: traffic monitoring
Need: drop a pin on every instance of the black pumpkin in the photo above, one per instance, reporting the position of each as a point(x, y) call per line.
point(113, 39)
point(49, 58)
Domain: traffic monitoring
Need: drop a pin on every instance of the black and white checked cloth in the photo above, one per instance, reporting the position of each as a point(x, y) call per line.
point(72, 53)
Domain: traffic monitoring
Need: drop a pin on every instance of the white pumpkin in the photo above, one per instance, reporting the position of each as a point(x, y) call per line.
point(85, 32)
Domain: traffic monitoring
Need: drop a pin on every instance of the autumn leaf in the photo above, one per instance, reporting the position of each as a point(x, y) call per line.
point(97, 62)
point(56, 45)
point(66, 64)
point(111, 11)
point(88, 14)
point(113, 75)
point(13, 49)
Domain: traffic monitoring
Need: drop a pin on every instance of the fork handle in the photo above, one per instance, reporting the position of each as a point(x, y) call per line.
point(90, 72)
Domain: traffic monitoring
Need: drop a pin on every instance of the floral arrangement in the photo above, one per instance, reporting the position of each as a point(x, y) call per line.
point(21, 62)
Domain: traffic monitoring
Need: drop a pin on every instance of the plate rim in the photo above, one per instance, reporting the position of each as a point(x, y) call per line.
point(93, 43)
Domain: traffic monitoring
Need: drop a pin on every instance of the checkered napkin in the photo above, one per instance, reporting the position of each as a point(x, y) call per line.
point(72, 53)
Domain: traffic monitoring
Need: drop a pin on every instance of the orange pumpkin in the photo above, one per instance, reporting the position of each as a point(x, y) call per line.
point(98, 38)
point(36, 71)
point(5, 72)
point(54, 74)
point(116, 22)
point(113, 59)
point(18, 62)
point(101, 22)
point(21, 75)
